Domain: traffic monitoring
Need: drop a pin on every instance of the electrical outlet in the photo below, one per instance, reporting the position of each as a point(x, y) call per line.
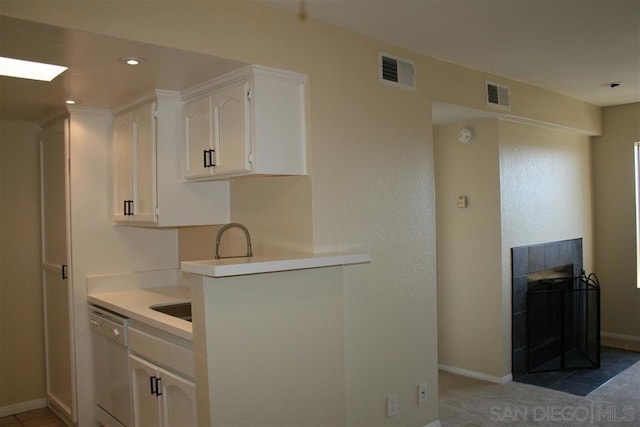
point(422, 392)
point(392, 405)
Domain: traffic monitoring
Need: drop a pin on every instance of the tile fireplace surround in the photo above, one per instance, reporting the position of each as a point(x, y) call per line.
point(529, 259)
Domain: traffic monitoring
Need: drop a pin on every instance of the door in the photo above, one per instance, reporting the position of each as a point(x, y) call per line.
point(146, 407)
point(179, 401)
point(232, 124)
point(122, 167)
point(144, 163)
point(200, 157)
point(56, 279)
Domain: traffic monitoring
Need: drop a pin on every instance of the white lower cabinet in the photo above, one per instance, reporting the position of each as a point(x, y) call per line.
point(160, 366)
point(160, 397)
point(180, 400)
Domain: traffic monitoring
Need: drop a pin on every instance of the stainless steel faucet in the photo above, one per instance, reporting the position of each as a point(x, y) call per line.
point(231, 225)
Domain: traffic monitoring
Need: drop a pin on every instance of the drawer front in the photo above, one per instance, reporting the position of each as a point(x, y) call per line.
point(173, 356)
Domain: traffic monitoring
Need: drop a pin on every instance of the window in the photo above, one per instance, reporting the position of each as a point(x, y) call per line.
point(636, 157)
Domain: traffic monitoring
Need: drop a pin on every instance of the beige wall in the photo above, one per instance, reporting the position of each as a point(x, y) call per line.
point(545, 181)
point(470, 329)
point(614, 203)
point(21, 312)
point(525, 185)
point(371, 186)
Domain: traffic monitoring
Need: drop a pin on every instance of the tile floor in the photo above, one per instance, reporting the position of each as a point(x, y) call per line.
point(42, 417)
point(582, 382)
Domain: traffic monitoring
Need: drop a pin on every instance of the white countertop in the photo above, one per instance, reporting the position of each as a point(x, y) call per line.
point(134, 304)
point(264, 264)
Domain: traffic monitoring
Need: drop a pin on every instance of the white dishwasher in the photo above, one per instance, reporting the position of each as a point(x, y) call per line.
point(111, 367)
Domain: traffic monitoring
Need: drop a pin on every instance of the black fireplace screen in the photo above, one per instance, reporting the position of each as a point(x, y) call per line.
point(563, 323)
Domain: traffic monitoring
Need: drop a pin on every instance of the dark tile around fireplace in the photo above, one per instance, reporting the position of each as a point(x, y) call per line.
point(536, 257)
point(519, 295)
point(520, 261)
point(525, 260)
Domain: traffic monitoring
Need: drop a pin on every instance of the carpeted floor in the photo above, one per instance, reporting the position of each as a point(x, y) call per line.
point(469, 402)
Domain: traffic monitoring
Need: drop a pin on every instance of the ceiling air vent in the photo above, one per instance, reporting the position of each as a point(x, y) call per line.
point(396, 71)
point(497, 95)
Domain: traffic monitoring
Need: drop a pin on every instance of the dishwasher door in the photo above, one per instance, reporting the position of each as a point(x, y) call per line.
point(111, 367)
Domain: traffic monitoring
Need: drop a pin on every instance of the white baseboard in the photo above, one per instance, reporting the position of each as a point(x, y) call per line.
point(16, 408)
point(631, 338)
point(436, 423)
point(476, 375)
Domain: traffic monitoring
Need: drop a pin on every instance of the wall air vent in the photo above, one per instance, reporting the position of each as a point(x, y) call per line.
point(396, 71)
point(497, 95)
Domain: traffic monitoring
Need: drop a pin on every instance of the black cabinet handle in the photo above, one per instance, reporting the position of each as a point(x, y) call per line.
point(154, 385)
point(209, 161)
point(64, 272)
point(151, 382)
point(128, 207)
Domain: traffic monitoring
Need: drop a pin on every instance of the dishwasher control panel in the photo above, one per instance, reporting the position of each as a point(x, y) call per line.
point(108, 325)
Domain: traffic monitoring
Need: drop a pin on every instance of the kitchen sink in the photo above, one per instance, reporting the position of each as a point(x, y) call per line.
point(181, 310)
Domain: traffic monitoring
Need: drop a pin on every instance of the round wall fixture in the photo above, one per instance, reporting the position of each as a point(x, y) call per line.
point(465, 135)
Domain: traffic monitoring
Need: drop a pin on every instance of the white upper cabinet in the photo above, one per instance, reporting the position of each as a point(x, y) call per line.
point(247, 122)
point(148, 182)
point(122, 165)
point(198, 137)
point(144, 154)
point(134, 146)
point(232, 129)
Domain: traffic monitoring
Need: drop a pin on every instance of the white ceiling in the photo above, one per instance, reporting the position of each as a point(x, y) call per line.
point(96, 76)
point(573, 47)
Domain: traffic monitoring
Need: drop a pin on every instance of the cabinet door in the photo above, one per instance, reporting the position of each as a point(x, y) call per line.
point(232, 128)
point(122, 165)
point(57, 291)
point(58, 337)
point(144, 163)
point(198, 138)
point(179, 401)
point(146, 408)
point(54, 194)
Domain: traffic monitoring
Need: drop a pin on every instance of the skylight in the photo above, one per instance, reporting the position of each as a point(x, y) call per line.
point(29, 70)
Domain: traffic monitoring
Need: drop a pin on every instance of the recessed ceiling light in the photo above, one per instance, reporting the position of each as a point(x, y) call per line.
point(70, 101)
point(133, 60)
point(29, 70)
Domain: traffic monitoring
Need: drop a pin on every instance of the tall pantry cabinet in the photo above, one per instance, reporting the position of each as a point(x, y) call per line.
point(54, 163)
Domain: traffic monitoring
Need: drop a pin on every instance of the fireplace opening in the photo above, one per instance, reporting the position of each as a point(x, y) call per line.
point(563, 319)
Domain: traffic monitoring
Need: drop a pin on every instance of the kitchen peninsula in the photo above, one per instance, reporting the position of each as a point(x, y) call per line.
point(268, 339)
